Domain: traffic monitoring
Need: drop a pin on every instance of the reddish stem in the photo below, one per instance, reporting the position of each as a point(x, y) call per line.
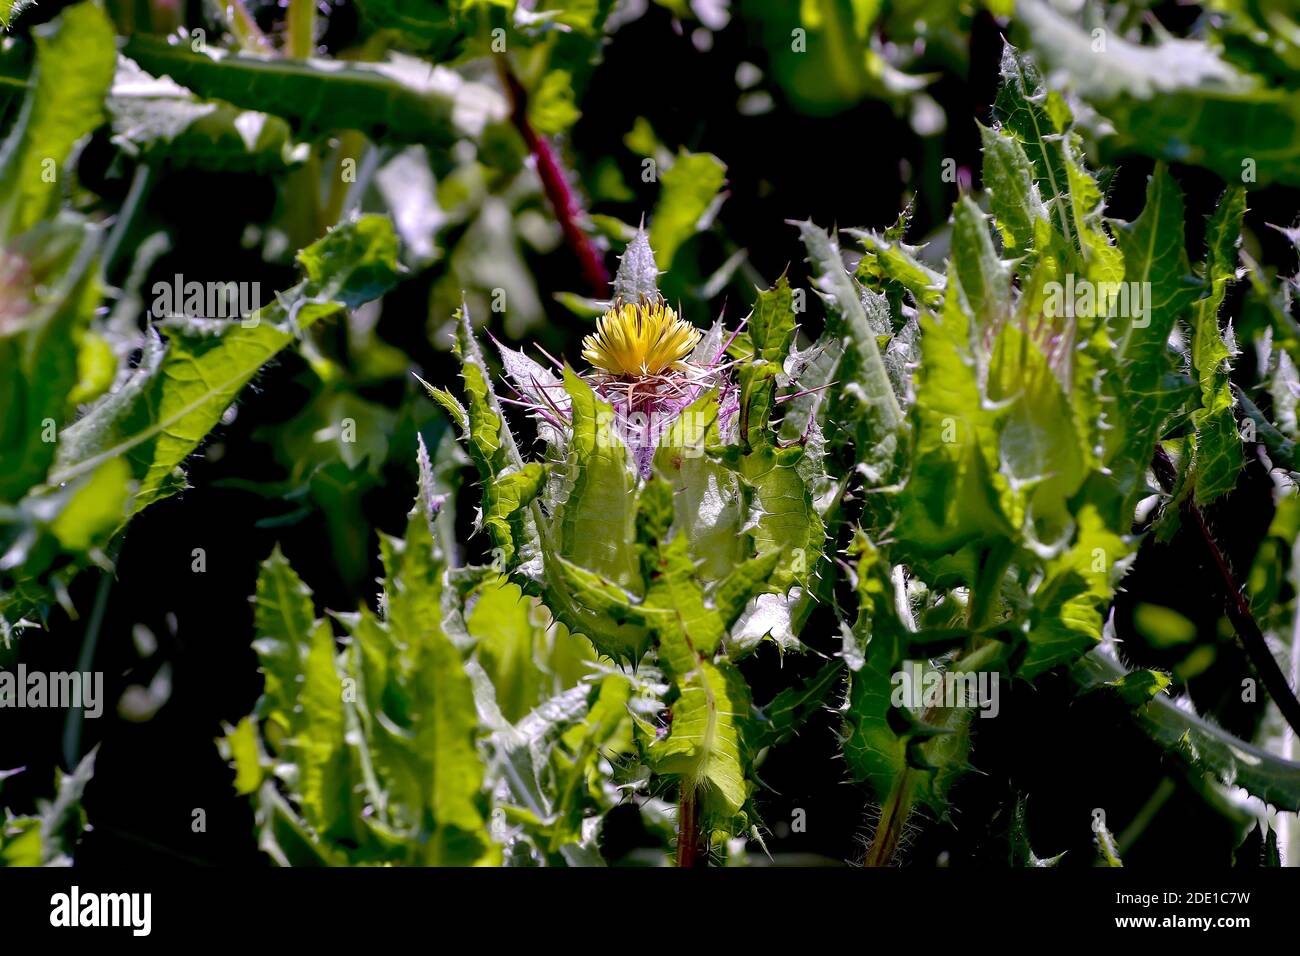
point(688, 827)
point(568, 209)
point(1235, 602)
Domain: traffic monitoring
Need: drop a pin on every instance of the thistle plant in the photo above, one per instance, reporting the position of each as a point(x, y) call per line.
point(666, 521)
point(978, 462)
point(944, 482)
point(996, 472)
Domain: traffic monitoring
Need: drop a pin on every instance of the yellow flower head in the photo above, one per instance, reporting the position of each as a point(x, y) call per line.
point(636, 340)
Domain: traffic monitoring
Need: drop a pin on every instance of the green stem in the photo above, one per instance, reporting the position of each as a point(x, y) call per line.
point(1291, 822)
point(884, 842)
point(85, 660)
point(303, 192)
point(1164, 790)
point(303, 201)
point(302, 29)
point(141, 183)
point(351, 143)
point(980, 608)
point(570, 793)
point(247, 33)
point(983, 601)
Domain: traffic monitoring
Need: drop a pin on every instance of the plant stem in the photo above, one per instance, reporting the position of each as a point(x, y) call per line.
point(301, 28)
point(555, 184)
point(1291, 826)
point(85, 660)
point(123, 13)
point(884, 842)
point(1236, 605)
point(982, 603)
point(1164, 790)
point(247, 33)
point(688, 826)
point(303, 201)
point(1252, 638)
point(141, 184)
point(165, 15)
point(981, 606)
point(351, 144)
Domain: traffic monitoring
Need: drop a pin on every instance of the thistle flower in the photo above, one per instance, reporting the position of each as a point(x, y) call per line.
point(647, 362)
point(638, 339)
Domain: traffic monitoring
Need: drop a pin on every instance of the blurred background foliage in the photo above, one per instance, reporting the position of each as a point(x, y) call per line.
point(515, 146)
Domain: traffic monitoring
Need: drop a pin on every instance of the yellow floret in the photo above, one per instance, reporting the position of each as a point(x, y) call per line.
point(636, 340)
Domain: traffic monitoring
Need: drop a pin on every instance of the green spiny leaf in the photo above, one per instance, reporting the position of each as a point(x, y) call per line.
point(704, 747)
point(62, 107)
point(708, 507)
point(985, 282)
point(1025, 110)
point(1146, 389)
point(889, 260)
point(881, 428)
point(1217, 457)
point(597, 520)
point(1199, 741)
point(303, 695)
point(501, 622)
point(1022, 853)
point(39, 353)
point(782, 716)
point(159, 421)
point(155, 118)
point(400, 99)
point(1013, 194)
point(10, 9)
point(952, 497)
point(1071, 603)
point(1178, 100)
